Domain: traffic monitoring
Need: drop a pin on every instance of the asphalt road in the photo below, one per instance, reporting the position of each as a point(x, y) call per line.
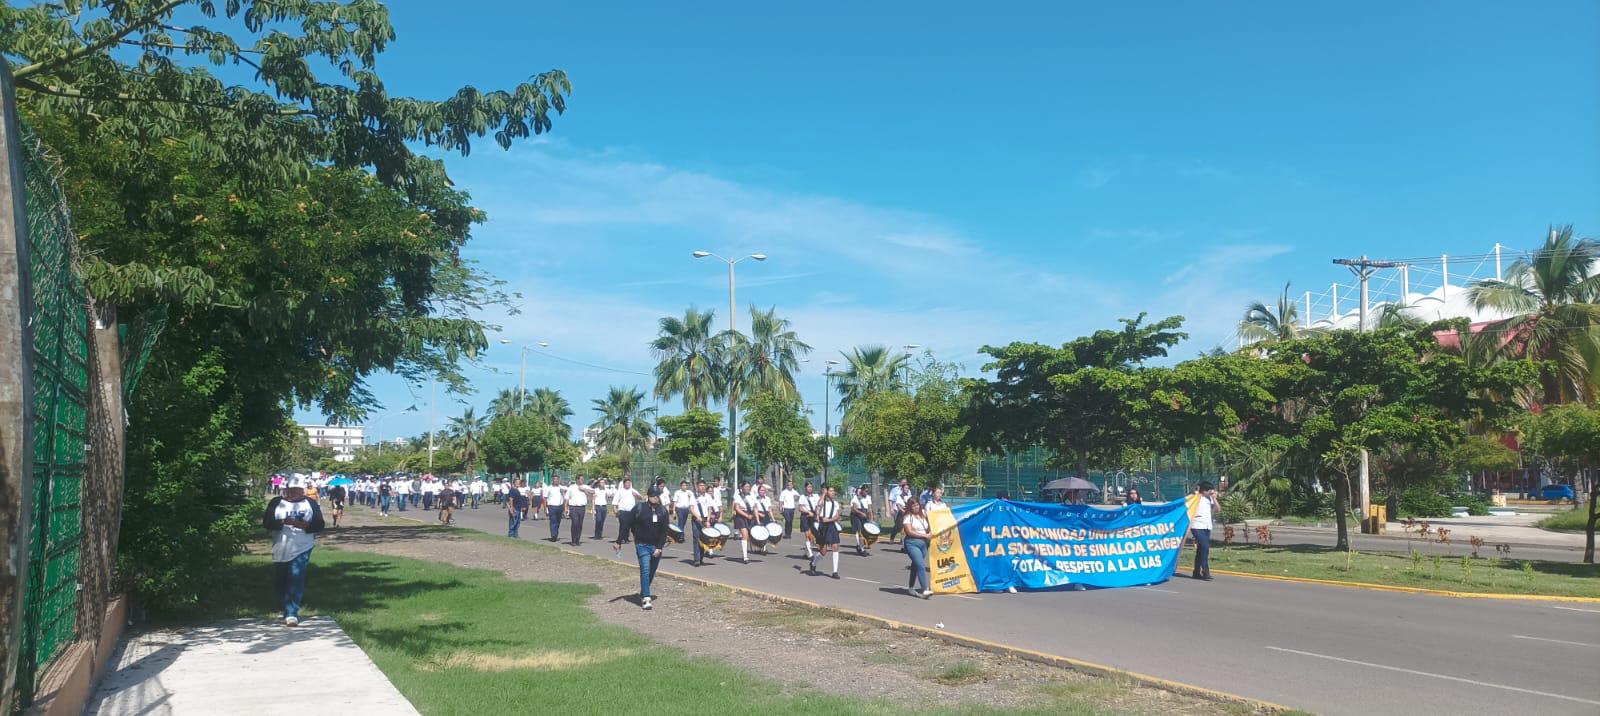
point(1329, 650)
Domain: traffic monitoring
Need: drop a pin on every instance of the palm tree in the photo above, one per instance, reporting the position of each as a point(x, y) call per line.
point(870, 369)
point(684, 363)
point(773, 354)
point(1552, 296)
point(1263, 324)
point(508, 402)
point(463, 433)
point(548, 405)
point(624, 423)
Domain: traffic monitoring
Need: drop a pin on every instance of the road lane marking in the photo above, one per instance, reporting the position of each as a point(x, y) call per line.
point(1153, 589)
point(1445, 677)
point(966, 596)
point(1556, 641)
point(868, 581)
point(1575, 609)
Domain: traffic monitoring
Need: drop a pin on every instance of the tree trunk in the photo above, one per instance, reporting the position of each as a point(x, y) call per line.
point(1083, 464)
point(1594, 517)
point(1341, 513)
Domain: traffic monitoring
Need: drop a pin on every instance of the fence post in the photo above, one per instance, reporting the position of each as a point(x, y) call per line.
point(16, 390)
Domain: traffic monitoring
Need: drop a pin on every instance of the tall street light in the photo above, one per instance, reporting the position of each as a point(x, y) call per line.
point(733, 414)
point(827, 429)
point(522, 380)
point(906, 376)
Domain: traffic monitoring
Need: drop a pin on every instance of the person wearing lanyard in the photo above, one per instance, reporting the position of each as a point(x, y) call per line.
point(578, 495)
point(828, 515)
point(625, 498)
point(788, 500)
point(808, 517)
point(704, 517)
point(555, 502)
point(860, 515)
point(602, 495)
point(649, 520)
point(744, 509)
point(916, 543)
point(682, 500)
point(295, 520)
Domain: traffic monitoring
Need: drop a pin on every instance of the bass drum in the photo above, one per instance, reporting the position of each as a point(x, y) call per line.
point(758, 534)
point(870, 532)
point(710, 538)
point(723, 530)
point(774, 532)
point(675, 533)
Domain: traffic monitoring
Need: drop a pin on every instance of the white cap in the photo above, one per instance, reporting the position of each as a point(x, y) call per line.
point(296, 480)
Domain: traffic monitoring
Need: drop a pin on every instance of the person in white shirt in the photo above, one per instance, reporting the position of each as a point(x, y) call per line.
point(788, 500)
point(808, 516)
point(860, 515)
point(555, 503)
point(682, 500)
point(603, 495)
point(918, 535)
point(1200, 527)
point(536, 500)
point(403, 493)
point(624, 497)
point(295, 520)
point(476, 490)
point(897, 507)
point(744, 517)
point(578, 496)
point(704, 516)
point(828, 516)
point(717, 494)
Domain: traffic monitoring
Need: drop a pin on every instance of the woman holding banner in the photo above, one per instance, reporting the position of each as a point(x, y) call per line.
point(917, 536)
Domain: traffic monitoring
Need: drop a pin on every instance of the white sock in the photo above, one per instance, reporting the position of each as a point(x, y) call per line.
point(808, 549)
point(813, 559)
point(835, 562)
point(744, 547)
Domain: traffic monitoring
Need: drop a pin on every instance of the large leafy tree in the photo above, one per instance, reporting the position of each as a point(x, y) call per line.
point(624, 423)
point(693, 440)
point(1568, 437)
point(466, 431)
point(523, 443)
point(918, 437)
point(774, 353)
point(1088, 401)
point(509, 401)
point(868, 370)
point(777, 436)
point(548, 404)
point(685, 365)
point(1552, 296)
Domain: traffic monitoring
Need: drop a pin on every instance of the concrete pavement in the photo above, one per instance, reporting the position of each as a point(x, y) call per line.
point(1330, 650)
point(246, 667)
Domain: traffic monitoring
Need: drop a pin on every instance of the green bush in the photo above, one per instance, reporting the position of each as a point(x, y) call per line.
point(1312, 504)
point(1424, 502)
point(1235, 507)
point(1576, 519)
point(1476, 506)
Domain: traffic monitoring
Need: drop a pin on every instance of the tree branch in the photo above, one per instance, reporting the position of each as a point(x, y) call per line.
point(124, 97)
point(86, 50)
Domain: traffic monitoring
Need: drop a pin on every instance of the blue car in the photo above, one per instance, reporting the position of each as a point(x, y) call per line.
point(1556, 492)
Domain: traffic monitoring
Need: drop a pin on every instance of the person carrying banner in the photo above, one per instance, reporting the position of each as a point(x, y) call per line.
point(828, 516)
point(918, 535)
point(860, 514)
point(1201, 512)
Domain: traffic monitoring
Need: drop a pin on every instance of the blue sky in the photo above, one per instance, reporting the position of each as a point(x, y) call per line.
point(934, 174)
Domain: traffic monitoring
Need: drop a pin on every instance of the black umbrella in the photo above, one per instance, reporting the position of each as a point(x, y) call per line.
point(1070, 483)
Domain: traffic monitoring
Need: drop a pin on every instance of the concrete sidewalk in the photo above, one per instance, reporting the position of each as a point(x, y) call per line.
point(245, 667)
point(1518, 530)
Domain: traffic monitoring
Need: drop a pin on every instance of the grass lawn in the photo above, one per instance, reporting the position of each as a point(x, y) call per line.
point(1575, 519)
point(1486, 574)
point(463, 641)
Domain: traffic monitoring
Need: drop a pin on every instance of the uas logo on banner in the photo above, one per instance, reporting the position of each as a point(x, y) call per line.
point(992, 545)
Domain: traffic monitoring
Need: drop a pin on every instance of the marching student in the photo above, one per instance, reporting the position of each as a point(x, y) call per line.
point(447, 504)
point(860, 514)
point(403, 491)
point(385, 493)
point(555, 504)
point(828, 516)
point(704, 516)
point(649, 522)
point(535, 500)
point(744, 508)
point(788, 500)
point(603, 495)
point(516, 506)
point(1200, 528)
point(682, 501)
point(625, 497)
point(764, 510)
point(296, 520)
point(578, 496)
point(808, 516)
point(897, 507)
point(476, 490)
point(337, 495)
point(717, 493)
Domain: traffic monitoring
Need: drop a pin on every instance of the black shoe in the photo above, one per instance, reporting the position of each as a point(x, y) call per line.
point(698, 563)
point(835, 575)
point(1206, 578)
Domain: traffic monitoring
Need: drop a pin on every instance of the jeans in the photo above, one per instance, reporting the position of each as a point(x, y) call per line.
point(648, 561)
point(414, 498)
point(475, 499)
point(513, 522)
point(427, 500)
point(576, 518)
point(918, 549)
point(403, 502)
point(1202, 552)
point(788, 523)
point(555, 522)
point(599, 521)
point(384, 501)
point(289, 582)
point(683, 521)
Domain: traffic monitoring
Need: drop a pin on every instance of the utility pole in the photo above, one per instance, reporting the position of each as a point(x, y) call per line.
point(1363, 268)
point(432, 388)
point(827, 428)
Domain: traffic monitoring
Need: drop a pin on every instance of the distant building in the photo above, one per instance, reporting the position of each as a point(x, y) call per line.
point(343, 440)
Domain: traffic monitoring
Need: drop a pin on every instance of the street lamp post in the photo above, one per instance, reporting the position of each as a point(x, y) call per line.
point(522, 375)
point(827, 429)
point(733, 415)
point(906, 375)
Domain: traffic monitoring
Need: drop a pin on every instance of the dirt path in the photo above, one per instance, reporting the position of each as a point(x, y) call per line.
point(797, 648)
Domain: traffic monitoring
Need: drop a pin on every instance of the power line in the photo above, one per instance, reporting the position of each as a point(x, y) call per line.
point(573, 361)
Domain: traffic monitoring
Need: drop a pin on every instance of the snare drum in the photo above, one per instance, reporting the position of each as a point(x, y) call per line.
point(675, 533)
point(710, 538)
point(723, 530)
point(758, 534)
point(870, 532)
point(774, 532)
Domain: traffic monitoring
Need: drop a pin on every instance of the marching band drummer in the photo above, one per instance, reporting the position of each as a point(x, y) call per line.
point(860, 515)
point(764, 510)
point(828, 516)
point(744, 515)
point(703, 516)
point(808, 516)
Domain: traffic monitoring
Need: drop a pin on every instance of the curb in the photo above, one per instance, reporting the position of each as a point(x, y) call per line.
point(1039, 657)
point(1413, 590)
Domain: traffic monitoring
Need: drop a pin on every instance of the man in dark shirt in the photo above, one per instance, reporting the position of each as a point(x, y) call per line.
point(516, 504)
point(649, 526)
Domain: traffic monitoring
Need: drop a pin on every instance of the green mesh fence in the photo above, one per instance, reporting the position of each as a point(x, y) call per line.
point(60, 430)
